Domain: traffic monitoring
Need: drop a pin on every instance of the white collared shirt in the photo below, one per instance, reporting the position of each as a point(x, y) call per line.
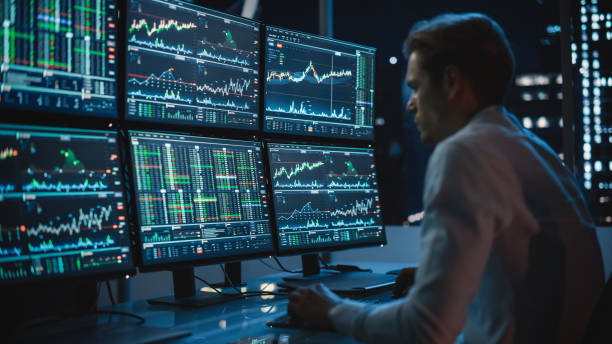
point(509, 251)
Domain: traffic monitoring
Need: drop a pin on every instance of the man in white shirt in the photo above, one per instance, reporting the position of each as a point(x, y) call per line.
point(510, 253)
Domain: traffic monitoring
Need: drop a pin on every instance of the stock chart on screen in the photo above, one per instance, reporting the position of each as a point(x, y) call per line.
point(61, 202)
point(190, 65)
point(325, 196)
point(59, 56)
point(199, 198)
point(318, 86)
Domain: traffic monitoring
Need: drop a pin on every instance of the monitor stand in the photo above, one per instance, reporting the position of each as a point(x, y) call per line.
point(311, 270)
point(349, 282)
point(185, 291)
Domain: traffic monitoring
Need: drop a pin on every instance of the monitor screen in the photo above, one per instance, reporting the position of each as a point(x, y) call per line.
point(188, 65)
point(325, 197)
point(318, 86)
point(199, 198)
point(61, 204)
point(59, 56)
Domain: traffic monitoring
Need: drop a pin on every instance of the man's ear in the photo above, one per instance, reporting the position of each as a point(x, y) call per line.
point(453, 81)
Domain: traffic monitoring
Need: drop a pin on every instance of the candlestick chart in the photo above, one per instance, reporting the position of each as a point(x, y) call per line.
point(190, 65)
point(60, 196)
point(198, 195)
point(324, 195)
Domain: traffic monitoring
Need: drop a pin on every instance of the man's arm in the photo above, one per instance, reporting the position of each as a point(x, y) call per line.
point(464, 205)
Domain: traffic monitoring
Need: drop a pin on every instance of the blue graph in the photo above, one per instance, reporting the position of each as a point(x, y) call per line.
point(49, 246)
point(229, 104)
point(219, 57)
point(12, 251)
point(346, 185)
point(355, 223)
point(160, 44)
point(6, 188)
point(306, 217)
point(298, 184)
point(167, 75)
point(344, 114)
point(35, 185)
point(168, 95)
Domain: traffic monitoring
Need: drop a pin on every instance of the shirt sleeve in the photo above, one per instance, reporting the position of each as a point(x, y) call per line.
point(464, 204)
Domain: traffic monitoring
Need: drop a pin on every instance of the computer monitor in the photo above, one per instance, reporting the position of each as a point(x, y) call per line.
point(200, 201)
point(61, 204)
point(324, 197)
point(59, 57)
point(318, 86)
point(188, 65)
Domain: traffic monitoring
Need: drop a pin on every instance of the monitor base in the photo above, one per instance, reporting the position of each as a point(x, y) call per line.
point(197, 301)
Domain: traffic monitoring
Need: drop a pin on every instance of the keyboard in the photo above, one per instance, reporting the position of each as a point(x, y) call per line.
point(354, 282)
point(287, 321)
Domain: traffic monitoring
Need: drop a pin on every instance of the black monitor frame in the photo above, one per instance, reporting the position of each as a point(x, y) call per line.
point(67, 280)
point(199, 128)
point(135, 220)
point(305, 252)
point(302, 137)
point(42, 114)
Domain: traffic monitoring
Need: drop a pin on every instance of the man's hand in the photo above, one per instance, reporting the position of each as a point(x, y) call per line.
point(403, 282)
point(312, 305)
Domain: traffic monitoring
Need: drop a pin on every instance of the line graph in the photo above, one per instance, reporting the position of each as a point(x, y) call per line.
point(81, 243)
point(163, 26)
point(162, 33)
point(10, 251)
point(4, 188)
point(165, 76)
point(303, 110)
point(316, 86)
point(282, 78)
point(232, 87)
point(92, 219)
point(358, 207)
point(168, 95)
point(298, 184)
point(35, 185)
point(305, 218)
point(299, 168)
point(198, 68)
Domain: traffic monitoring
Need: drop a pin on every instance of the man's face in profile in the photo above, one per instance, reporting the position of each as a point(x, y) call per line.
point(428, 101)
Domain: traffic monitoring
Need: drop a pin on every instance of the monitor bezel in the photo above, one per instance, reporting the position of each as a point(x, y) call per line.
point(137, 246)
point(292, 136)
point(153, 124)
point(301, 251)
point(41, 113)
point(128, 271)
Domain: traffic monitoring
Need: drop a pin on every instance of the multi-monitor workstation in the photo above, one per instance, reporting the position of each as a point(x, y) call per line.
point(223, 140)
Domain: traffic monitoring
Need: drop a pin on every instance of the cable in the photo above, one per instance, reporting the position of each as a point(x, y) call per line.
point(140, 319)
point(270, 266)
point(285, 269)
point(244, 293)
point(325, 265)
point(68, 316)
point(228, 279)
point(110, 292)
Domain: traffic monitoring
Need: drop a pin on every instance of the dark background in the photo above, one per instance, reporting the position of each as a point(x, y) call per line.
point(385, 24)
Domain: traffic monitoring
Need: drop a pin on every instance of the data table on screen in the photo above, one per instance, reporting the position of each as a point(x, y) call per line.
point(59, 56)
point(199, 198)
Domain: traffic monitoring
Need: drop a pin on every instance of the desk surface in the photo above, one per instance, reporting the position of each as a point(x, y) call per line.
point(241, 321)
